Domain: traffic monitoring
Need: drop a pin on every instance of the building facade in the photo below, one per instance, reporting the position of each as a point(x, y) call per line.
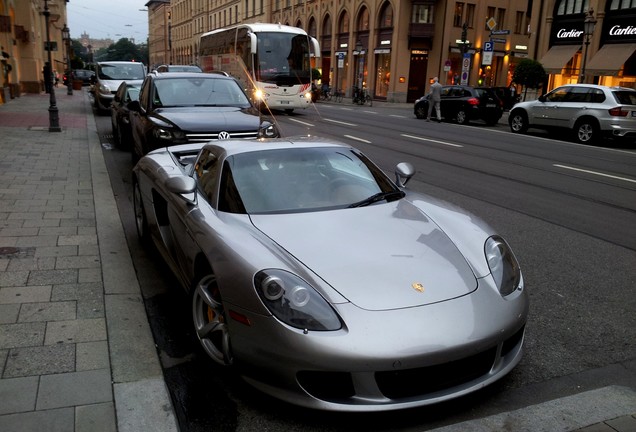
point(23, 36)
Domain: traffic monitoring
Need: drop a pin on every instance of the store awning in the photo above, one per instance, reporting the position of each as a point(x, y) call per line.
point(609, 59)
point(557, 57)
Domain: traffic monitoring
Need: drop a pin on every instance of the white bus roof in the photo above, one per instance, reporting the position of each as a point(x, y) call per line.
point(260, 27)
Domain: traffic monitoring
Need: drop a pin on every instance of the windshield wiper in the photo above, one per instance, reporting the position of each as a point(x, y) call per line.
point(380, 196)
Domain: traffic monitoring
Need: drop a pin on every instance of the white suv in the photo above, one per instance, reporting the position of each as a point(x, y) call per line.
point(589, 111)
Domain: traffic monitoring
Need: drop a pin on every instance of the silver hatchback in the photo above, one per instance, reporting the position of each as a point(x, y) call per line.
point(589, 111)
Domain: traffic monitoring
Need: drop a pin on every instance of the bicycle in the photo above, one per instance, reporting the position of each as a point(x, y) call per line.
point(361, 96)
point(338, 95)
point(325, 93)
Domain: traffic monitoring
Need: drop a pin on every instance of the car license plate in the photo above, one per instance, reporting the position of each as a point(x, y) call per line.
point(633, 113)
point(490, 105)
point(284, 102)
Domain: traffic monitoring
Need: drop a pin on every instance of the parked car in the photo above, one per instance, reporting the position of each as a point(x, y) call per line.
point(184, 107)
point(177, 68)
point(325, 283)
point(588, 111)
point(120, 113)
point(464, 104)
point(109, 76)
point(83, 75)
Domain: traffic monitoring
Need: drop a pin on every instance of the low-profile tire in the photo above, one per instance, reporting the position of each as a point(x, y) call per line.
point(141, 222)
point(420, 112)
point(209, 320)
point(586, 131)
point(462, 117)
point(518, 121)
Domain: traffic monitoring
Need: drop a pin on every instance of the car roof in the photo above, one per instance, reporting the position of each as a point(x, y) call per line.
point(198, 75)
point(598, 86)
point(233, 147)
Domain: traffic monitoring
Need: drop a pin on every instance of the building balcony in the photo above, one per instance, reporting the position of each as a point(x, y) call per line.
point(421, 30)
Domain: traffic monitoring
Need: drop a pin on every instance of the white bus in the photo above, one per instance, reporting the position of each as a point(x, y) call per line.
point(271, 61)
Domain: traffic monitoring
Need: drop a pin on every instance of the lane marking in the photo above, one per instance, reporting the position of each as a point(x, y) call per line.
point(302, 122)
point(357, 139)
point(595, 173)
point(398, 116)
point(431, 140)
point(370, 112)
point(340, 122)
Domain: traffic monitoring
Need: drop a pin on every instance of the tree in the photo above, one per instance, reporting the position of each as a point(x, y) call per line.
point(530, 74)
point(315, 74)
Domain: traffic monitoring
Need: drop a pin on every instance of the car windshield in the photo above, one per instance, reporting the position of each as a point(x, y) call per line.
point(625, 97)
point(203, 91)
point(301, 180)
point(111, 71)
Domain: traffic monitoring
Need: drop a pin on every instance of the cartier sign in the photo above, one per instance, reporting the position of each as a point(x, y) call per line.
point(621, 31)
point(569, 34)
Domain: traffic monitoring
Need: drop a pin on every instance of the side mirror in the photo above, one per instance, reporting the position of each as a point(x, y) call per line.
point(542, 98)
point(182, 185)
point(403, 173)
point(134, 106)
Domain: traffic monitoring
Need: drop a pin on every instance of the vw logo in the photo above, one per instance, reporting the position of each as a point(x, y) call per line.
point(224, 135)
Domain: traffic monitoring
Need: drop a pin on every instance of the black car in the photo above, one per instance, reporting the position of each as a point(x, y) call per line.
point(83, 75)
point(128, 91)
point(189, 107)
point(464, 104)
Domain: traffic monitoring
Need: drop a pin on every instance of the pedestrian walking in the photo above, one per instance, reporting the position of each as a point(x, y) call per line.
point(435, 97)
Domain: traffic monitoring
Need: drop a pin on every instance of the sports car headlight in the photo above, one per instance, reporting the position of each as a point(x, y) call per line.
point(294, 301)
point(503, 265)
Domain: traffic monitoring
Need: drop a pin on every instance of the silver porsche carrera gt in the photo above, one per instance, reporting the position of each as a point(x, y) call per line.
point(327, 284)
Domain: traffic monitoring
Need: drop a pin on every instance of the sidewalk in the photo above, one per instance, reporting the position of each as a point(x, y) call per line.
point(76, 351)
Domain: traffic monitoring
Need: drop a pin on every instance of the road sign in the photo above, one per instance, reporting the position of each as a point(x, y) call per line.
point(499, 32)
point(465, 69)
point(498, 40)
point(486, 59)
point(491, 23)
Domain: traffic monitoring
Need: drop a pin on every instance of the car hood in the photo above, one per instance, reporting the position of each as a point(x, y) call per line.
point(380, 257)
point(204, 119)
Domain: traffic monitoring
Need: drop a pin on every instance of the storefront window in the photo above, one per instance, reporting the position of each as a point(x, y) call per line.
point(383, 79)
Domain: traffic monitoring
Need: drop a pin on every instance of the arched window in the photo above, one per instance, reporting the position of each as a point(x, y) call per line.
point(572, 7)
point(386, 15)
point(299, 24)
point(311, 28)
point(343, 24)
point(363, 20)
point(326, 25)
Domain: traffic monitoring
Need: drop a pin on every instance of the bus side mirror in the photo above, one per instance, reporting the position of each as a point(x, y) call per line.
point(315, 46)
point(253, 43)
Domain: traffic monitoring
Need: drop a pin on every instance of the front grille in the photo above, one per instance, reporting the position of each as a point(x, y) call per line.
point(213, 136)
point(327, 385)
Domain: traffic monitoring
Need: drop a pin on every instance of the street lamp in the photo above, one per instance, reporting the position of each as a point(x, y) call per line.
point(588, 29)
point(54, 118)
point(360, 65)
point(66, 37)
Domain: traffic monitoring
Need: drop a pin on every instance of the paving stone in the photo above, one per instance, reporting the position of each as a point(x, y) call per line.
point(22, 334)
point(81, 330)
point(61, 215)
point(56, 420)
point(92, 355)
point(25, 294)
point(13, 278)
point(77, 262)
point(88, 250)
point(8, 241)
point(15, 231)
point(41, 223)
point(3, 359)
point(56, 251)
point(74, 388)
point(57, 230)
point(4, 263)
point(50, 311)
point(26, 215)
point(42, 360)
point(37, 241)
point(78, 222)
point(95, 418)
point(78, 240)
point(9, 313)
point(17, 395)
point(90, 275)
point(89, 298)
point(50, 277)
point(32, 263)
point(624, 423)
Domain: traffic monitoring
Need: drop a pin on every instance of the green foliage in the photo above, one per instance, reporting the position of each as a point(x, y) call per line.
point(315, 74)
point(529, 73)
point(123, 50)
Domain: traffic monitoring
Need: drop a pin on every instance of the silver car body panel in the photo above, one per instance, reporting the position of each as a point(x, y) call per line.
point(366, 263)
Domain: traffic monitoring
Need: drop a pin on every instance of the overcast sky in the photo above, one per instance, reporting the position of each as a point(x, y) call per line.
point(113, 19)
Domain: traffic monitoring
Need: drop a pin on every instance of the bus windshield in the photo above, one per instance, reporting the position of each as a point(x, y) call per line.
point(282, 58)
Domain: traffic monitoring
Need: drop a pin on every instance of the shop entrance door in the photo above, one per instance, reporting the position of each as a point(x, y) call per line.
point(417, 75)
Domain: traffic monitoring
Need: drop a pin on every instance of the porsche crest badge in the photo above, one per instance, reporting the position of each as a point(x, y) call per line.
point(418, 287)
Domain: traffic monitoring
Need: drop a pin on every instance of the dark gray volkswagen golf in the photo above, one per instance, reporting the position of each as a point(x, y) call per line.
point(181, 107)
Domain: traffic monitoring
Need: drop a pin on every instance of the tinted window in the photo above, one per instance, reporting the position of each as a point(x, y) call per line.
point(558, 95)
point(199, 91)
point(625, 97)
point(578, 94)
